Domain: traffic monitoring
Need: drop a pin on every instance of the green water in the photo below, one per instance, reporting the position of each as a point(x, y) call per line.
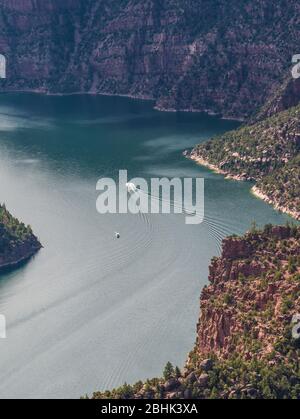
point(89, 311)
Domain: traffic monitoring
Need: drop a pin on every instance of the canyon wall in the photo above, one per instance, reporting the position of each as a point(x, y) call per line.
point(247, 343)
point(244, 310)
point(225, 57)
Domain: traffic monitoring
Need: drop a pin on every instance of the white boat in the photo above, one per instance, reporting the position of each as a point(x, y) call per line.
point(131, 188)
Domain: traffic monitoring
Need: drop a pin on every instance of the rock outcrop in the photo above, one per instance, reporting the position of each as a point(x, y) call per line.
point(248, 344)
point(243, 308)
point(224, 57)
point(17, 242)
point(284, 97)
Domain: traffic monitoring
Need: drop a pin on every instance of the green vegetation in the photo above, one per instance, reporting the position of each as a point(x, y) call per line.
point(237, 378)
point(283, 186)
point(234, 378)
point(11, 230)
point(14, 237)
point(168, 371)
point(267, 152)
point(248, 317)
point(256, 150)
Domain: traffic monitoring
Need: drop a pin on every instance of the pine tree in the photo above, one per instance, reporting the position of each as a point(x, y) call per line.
point(177, 372)
point(168, 371)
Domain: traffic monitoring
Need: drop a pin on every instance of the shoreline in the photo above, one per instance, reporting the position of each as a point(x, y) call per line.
point(203, 111)
point(133, 97)
point(17, 264)
point(205, 163)
point(19, 246)
point(9, 266)
point(47, 93)
point(255, 191)
point(259, 194)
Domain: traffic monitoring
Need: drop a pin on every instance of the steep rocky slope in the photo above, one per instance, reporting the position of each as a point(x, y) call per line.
point(247, 343)
point(282, 188)
point(267, 152)
point(283, 98)
point(221, 56)
point(17, 242)
point(254, 289)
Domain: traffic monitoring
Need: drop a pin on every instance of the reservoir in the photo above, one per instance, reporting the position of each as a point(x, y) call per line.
point(90, 312)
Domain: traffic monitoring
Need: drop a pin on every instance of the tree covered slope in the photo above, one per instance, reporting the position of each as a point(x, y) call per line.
point(267, 152)
point(17, 242)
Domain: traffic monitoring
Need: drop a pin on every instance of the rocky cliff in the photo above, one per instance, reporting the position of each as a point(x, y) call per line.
point(225, 57)
point(17, 242)
point(283, 98)
point(247, 336)
point(244, 309)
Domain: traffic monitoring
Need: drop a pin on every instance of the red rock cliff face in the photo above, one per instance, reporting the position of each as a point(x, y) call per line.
point(37, 38)
point(247, 345)
point(37, 5)
point(253, 295)
point(284, 97)
point(220, 56)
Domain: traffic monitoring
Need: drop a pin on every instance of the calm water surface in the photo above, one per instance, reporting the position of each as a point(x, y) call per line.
point(91, 312)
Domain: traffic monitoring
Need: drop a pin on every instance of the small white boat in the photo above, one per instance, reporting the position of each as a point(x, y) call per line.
point(117, 235)
point(131, 188)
